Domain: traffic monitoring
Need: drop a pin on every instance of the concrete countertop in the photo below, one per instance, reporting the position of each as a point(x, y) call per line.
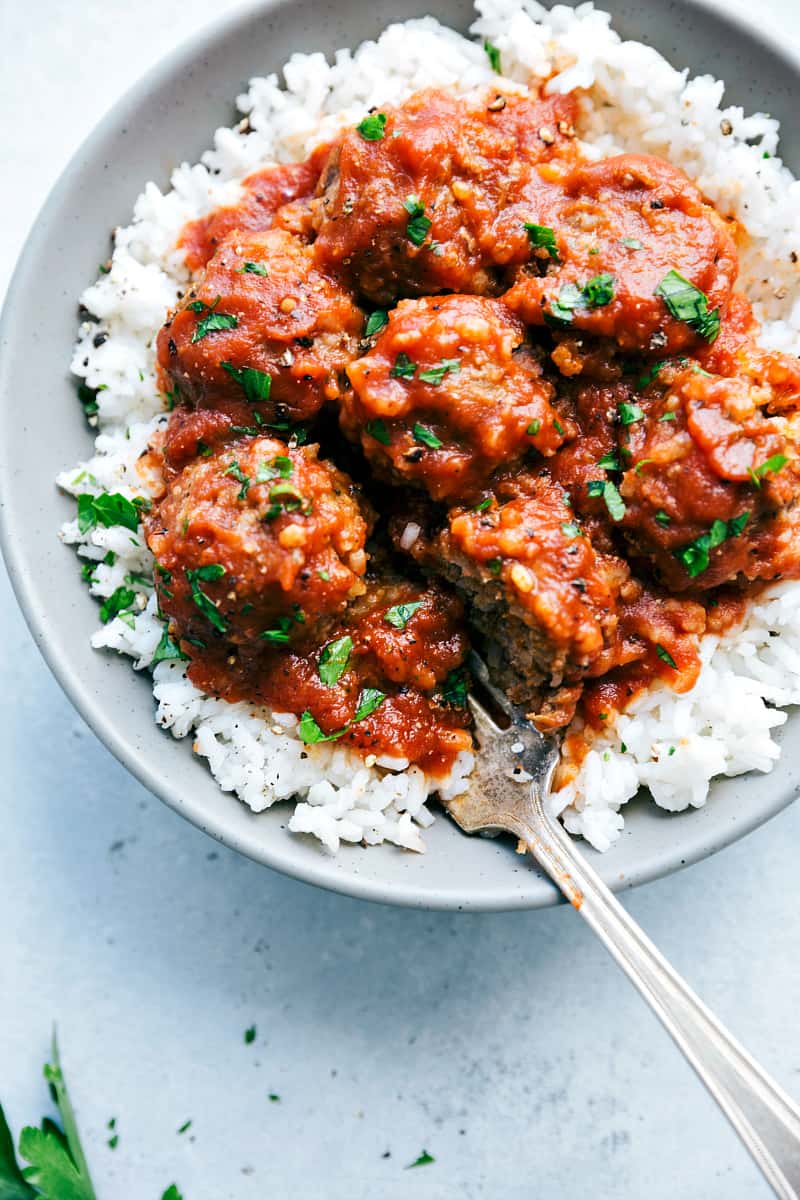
point(507, 1046)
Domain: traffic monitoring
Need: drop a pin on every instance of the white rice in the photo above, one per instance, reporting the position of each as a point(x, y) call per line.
point(674, 745)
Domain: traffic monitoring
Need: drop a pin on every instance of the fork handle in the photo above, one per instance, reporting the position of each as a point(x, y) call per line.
point(765, 1117)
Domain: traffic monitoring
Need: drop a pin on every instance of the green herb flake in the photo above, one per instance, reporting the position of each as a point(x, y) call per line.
point(668, 416)
point(334, 660)
point(250, 1035)
point(213, 321)
point(599, 290)
point(236, 472)
point(665, 656)
point(113, 1141)
point(610, 494)
point(771, 466)
point(252, 268)
point(418, 224)
point(695, 555)
point(167, 650)
point(400, 614)
point(280, 635)
point(422, 1161)
point(255, 384)
point(484, 504)
point(377, 430)
point(273, 1098)
point(426, 436)
point(455, 687)
point(493, 55)
point(172, 1193)
point(559, 428)
point(661, 518)
point(88, 399)
point(631, 243)
point(435, 374)
point(185, 1127)
point(373, 127)
point(609, 461)
point(107, 509)
point(280, 467)
point(630, 413)
point(542, 237)
point(571, 529)
point(310, 732)
point(403, 368)
point(375, 321)
point(687, 303)
point(647, 378)
point(208, 607)
point(117, 604)
point(570, 297)
point(494, 565)
point(369, 700)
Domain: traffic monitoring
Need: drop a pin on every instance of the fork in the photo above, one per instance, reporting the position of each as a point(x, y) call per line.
point(509, 791)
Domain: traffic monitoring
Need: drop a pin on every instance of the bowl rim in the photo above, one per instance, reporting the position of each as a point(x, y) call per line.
point(319, 872)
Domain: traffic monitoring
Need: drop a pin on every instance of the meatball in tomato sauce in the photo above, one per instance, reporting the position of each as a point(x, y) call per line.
point(258, 542)
point(449, 391)
point(264, 335)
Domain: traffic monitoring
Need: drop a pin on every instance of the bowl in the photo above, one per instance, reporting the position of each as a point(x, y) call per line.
point(168, 117)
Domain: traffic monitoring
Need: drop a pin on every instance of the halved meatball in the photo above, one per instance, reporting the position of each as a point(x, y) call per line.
point(708, 478)
point(257, 541)
point(264, 335)
point(632, 253)
point(449, 391)
point(403, 213)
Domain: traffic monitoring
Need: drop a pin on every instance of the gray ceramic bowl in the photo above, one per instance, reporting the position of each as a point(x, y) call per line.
point(168, 117)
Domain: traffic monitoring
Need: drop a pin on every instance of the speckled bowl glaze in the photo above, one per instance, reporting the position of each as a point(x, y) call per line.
point(167, 117)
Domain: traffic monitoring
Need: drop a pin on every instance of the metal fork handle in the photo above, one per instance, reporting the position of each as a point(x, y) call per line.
point(765, 1117)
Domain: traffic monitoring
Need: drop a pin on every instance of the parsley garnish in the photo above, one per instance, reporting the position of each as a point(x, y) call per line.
point(88, 399)
point(436, 374)
point(207, 606)
point(631, 243)
point(167, 651)
point(369, 700)
point(172, 1193)
point(610, 493)
point(559, 428)
point(609, 461)
point(256, 384)
point(599, 290)
point(542, 237)
point(403, 367)
point(250, 1035)
point(279, 636)
point(687, 303)
point(213, 321)
point(771, 465)
point(595, 293)
point(484, 504)
point(117, 604)
point(661, 518)
point(251, 268)
point(493, 55)
point(400, 614)
point(570, 529)
point(534, 427)
point(645, 380)
point(236, 472)
point(426, 436)
point(495, 565)
point(377, 429)
point(334, 660)
point(422, 1161)
point(695, 555)
point(373, 127)
point(310, 732)
point(375, 321)
point(418, 224)
point(185, 1126)
point(107, 509)
point(284, 497)
point(454, 688)
point(629, 413)
point(665, 656)
point(280, 467)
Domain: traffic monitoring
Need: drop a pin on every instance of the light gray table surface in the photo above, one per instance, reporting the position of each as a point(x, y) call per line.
point(508, 1046)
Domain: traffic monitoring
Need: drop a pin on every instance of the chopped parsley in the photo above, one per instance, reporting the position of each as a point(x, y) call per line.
point(107, 509)
point(542, 237)
point(213, 321)
point(422, 1161)
point(631, 243)
point(280, 467)
point(595, 293)
point(418, 224)
point(369, 700)
point(377, 429)
point(373, 127)
point(665, 656)
point(436, 374)
point(493, 55)
point(668, 416)
point(400, 614)
point(256, 384)
point(172, 1193)
point(208, 607)
point(770, 466)
point(571, 529)
point(647, 378)
point(629, 413)
point(534, 427)
point(695, 555)
point(310, 732)
point(167, 651)
point(599, 290)
point(284, 497)
point(250, 1035)
point(495, 565)
point(88, 399)
point(187, 1125)
point(251, 268)
point(426, 436)
point(375, 321)
point(454, 688)
point(403, 367)
point(559, 428)
point(609, 461)
point(334, 660)
point(280, 635)
point(236, 472)
point(484, 504)
point(687, 303)
point(661, 518)
point(117, 604)
point(610, 493)
point(273, 1098)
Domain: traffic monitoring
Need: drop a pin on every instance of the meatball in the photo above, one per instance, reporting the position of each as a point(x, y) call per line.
point(630, 252)
point(257, 541)
point(707, 477)
point(267, 198)
point(403, 214)
point(535, 587)
point(448, 392)
point(264, 335)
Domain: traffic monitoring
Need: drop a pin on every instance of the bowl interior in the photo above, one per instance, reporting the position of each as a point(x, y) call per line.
point(169, 116)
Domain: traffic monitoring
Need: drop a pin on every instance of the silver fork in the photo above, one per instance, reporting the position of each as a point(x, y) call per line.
point(509, 791)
